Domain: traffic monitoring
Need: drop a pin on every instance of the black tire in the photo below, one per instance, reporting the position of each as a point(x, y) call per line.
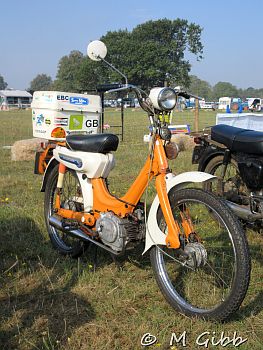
point(232, 186)
point(61, 241)
point(215, 290)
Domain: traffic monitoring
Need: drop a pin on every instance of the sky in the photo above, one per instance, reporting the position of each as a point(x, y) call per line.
point(36, 34)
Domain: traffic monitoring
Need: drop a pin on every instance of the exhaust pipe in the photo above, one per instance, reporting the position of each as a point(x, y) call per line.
point(57, 222)
point(243, 213)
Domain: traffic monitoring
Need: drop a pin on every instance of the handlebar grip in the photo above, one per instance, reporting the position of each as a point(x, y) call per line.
point(184, 94)
point(107, 87)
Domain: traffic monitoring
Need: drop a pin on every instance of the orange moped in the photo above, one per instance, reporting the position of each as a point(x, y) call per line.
point(198, 249)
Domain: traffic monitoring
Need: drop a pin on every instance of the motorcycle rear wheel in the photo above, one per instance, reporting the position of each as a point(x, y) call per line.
point(62, 241)
point(216, 288)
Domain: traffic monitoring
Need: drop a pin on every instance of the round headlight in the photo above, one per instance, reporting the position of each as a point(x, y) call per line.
point(163, 99)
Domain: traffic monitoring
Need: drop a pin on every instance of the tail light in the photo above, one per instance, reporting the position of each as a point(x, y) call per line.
point(198, 140)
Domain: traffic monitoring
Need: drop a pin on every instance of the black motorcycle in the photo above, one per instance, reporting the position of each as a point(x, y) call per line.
point(235, 156)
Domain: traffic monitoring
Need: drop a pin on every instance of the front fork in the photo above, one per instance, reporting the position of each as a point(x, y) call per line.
point(173, 237)
point(174, 231)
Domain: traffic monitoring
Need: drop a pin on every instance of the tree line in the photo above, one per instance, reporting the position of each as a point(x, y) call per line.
point(203, 89)
point(152, 54)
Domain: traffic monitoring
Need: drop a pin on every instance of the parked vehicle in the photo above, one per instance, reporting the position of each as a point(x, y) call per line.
point(128, 102)
point(110, 103)
point(198, 249)
point(235, 156)
point(255, 104)
point(207, 105)
point(229, 102)
point(223, 102)
point(190, 103)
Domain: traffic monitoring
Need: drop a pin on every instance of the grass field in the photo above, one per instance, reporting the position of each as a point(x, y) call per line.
point(51, 302)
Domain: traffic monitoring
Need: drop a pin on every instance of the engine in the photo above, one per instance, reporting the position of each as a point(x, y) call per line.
point(116, 232)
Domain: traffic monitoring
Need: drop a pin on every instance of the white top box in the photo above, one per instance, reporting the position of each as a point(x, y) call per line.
point(67, 101)
point(56, 114)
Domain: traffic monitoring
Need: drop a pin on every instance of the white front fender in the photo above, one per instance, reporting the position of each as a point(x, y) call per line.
point(154, 235)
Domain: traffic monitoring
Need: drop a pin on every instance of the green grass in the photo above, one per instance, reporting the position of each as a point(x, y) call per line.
point(51, 302)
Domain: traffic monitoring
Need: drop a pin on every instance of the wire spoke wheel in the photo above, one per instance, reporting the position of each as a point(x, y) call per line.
point(231, 187)
point(70, 198)
point(212, 281)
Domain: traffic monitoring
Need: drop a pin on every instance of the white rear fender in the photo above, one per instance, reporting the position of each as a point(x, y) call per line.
point(51, 164)
point(85, 183)
point(154, 235)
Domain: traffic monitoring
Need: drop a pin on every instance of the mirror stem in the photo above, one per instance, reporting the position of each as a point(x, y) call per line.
point(116, 70)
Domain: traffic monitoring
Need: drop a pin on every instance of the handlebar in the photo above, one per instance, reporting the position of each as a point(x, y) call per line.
point(120, 87)
point(187, 95)
point(116, 87)
point(142, 96)
point(108, 87)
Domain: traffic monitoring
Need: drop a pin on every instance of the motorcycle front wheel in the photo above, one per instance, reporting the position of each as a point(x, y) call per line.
point(213, 282)
point(71, 198)
point(231, 187)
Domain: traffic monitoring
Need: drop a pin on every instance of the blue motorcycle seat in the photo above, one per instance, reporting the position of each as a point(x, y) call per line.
point(94, 143)
point(238, 139)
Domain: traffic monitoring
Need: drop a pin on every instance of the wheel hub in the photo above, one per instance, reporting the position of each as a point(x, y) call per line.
point(197, 255)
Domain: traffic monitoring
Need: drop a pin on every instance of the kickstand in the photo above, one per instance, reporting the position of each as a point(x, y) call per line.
point(117, 262)
point(95, 258)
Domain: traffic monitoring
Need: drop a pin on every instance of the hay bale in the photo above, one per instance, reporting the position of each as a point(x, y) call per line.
point(25, 149)
point(185, 142)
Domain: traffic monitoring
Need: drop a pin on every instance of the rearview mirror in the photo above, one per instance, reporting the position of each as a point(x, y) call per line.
point(97, 50)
